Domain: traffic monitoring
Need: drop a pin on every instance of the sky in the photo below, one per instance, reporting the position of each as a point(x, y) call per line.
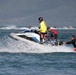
point(58, 13)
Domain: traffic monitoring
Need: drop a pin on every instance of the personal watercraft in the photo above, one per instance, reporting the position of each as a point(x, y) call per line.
point(26, 36)
point(31, 37)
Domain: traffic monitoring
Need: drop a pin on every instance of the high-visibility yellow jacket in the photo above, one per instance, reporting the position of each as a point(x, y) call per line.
point(43, 27)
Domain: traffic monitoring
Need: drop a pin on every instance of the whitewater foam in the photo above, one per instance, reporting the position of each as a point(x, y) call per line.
point(15, 46)
point(22, 28)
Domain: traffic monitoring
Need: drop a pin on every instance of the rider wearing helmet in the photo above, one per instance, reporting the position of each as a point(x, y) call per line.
point(42, 29)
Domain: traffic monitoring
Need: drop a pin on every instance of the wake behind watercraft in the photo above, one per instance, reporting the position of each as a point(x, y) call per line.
point(32, 38)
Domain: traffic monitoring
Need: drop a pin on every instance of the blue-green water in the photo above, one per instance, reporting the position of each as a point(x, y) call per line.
point(13, 62)
point(38, 64)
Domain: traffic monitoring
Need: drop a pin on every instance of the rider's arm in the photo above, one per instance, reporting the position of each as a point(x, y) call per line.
point(70, 42)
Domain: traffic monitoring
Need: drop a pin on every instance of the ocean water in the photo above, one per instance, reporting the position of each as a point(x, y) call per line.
point(20, 58)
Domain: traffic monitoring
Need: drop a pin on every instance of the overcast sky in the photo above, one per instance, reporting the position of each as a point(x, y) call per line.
point(26, 12)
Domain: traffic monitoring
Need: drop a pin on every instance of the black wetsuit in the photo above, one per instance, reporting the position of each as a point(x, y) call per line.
point(72, 42)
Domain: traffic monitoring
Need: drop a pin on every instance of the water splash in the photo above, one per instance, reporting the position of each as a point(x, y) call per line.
point(10, 45)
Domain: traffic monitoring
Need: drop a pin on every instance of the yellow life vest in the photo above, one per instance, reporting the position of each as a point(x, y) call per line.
point(43, 27)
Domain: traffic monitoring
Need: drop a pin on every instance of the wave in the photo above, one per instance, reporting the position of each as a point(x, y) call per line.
point(14, 27)
point(66, 28)
point(10, 45)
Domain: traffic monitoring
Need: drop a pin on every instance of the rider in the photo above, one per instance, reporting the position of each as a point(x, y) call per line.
point(55, 35)
point(73, 41)
point(52, 34)
point(42, 29)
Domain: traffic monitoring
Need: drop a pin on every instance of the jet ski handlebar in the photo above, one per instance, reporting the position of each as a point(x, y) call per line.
point(35, 31)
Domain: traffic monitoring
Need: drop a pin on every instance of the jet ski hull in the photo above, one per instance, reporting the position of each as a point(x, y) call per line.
point(23, 37)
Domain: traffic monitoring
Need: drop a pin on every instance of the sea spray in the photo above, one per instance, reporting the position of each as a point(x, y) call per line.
point(8, 44)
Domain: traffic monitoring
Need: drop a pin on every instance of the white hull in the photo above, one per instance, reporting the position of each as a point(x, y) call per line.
point(15, 36)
